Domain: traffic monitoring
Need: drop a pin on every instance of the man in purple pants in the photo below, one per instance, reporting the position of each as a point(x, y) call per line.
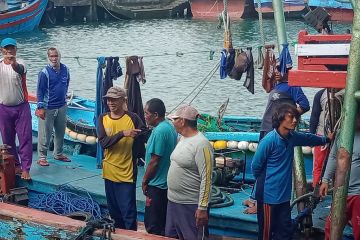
point(15, 116)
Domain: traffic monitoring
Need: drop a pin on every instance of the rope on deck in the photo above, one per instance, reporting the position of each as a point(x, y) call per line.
point(66, 201)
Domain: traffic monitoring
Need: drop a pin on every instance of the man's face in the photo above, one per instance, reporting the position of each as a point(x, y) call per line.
point(150, 117)
point(289, 122)
point(53, 56)
point(9, 50)
point(178, 124)
point(115, 104)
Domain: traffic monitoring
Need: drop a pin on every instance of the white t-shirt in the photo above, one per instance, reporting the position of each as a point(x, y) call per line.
point(12, 86)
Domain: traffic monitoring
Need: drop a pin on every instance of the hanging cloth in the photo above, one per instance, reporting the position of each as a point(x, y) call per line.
point(133, 70)
point(240, 64)
point(250, 75)
point(99, 107)
point(268, 79)
point(259, 62)
point(285, 60)
point(223, 73)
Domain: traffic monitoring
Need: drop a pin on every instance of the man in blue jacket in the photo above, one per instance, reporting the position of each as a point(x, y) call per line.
point(272, 167)
point(53, 84)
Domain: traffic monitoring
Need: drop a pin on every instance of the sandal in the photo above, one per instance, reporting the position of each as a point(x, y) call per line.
point(62, 158)
point(43, 162)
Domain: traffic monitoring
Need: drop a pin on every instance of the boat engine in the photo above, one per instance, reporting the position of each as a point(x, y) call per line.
point(7, 170)
point(226, 168)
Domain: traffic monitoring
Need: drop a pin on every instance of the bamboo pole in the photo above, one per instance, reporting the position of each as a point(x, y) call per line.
point(344, 154)
point(279, 22)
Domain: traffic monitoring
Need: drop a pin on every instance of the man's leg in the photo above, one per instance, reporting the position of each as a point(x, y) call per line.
point(126, 202)
point(114, 211)
point(23, 128)
point(281, 219)
point(45, 132)
point(319, 156)
point(264, 212)
point(353, 213)
point(7, 129)
point(155, 211)
point(171, 218)
point(59, 127)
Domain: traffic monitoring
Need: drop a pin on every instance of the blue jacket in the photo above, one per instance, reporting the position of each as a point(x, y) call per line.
point(52, 87)
point(273, 161)
point(296, 93)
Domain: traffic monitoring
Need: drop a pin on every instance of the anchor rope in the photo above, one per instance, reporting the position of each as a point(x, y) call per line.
point(261, 25)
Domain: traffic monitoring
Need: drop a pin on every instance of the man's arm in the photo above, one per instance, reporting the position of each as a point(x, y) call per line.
point(203, 161)
point(259, 159)
point(331, 163)
point(42, 89)
point(104, 140)
point(315, 112)
point(309, 139)
point(299, 97)
point(150, 172)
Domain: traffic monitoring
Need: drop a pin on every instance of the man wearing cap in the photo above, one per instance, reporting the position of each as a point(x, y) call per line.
point(119, 135)
point(52, 87)
point(189, 179)
point(15, 116)
point(160, 145)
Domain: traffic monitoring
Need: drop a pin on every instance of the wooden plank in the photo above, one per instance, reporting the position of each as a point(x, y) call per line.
point(321, 79)
point(341, 49)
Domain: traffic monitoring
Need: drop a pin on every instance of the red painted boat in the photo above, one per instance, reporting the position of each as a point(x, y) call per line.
point(211, 9)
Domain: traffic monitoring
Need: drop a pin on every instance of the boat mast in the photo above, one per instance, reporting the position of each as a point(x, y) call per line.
point(344, 154)
point(279, 22)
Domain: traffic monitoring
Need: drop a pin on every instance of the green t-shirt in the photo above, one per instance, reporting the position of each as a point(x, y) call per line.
point(162, 142)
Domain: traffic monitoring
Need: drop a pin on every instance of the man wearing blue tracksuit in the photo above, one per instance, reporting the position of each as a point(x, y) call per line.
point(53, 84)
point(272, 168)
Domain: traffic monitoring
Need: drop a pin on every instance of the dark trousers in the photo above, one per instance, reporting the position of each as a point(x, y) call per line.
point(16, 121)
point(274, 221)
point(181, 223)
point(155, 210)
point(121, 200)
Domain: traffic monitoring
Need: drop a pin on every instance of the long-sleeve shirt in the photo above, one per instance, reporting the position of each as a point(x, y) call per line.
point(273, 160)
point(189, 176)
point(354, 181)
point(52, 87)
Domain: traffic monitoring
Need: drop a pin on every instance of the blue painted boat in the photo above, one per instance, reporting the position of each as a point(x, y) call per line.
point(20, 16)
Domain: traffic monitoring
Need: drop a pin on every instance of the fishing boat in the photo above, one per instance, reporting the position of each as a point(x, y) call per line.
point(292, 8)
point(20, 16)
point(339, 11)
point(211, 9)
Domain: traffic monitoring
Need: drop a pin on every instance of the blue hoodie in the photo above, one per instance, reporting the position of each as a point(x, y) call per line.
point(52, 87)
point(273, 162)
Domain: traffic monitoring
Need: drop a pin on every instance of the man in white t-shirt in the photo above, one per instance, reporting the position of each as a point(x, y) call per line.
point(15, 115)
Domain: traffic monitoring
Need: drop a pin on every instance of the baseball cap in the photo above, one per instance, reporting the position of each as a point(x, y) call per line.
point(115, 92)
point(8, 41)
point(185, 111)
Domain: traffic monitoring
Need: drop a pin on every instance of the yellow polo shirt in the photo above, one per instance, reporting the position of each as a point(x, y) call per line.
point(118, 163)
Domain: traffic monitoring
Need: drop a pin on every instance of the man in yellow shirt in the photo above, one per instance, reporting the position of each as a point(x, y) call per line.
point(119, 135)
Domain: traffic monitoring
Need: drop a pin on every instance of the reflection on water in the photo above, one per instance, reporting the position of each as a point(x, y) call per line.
point(169, 77)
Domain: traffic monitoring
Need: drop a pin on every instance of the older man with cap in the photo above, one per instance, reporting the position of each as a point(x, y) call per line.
point(15, 116)
point(119, 134)
point(189, 179)
point(52, 87)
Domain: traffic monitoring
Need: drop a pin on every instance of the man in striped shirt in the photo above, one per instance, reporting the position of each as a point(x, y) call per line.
point(15, 116)
point(189, 179)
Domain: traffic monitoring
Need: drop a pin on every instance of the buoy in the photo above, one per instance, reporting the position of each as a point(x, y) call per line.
point(218, 145)
point(81, 137)
point(90, 140)
point(306, 150)
point(67, 131)
point(243, 145)
point(253, 146)
point(73, 135)
point(232, 144)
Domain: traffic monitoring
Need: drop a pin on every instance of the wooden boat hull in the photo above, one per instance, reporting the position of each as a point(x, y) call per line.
point(291, 10)
point(23, 20)
point(211, 9)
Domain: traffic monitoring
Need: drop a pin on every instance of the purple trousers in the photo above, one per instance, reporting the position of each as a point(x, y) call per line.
point(16, 121)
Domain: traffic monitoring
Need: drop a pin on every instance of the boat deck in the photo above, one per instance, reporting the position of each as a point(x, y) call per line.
point(82, 173)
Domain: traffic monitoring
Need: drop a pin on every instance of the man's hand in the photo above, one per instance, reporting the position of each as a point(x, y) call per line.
point(40, 112)
point(324, 189)
point(131, 132)
point(144, 188)
point(201, 217)
point(331, 135)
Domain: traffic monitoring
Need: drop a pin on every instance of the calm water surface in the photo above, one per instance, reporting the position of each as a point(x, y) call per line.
point(169, 77)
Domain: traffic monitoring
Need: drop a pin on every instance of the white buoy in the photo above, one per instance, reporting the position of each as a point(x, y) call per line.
point(243, 145)
point(67, 131)
point(253, 146)
point(90, 140)
point(81, 137)
point(73, 135)
point(232, 144)
point(306, 150)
